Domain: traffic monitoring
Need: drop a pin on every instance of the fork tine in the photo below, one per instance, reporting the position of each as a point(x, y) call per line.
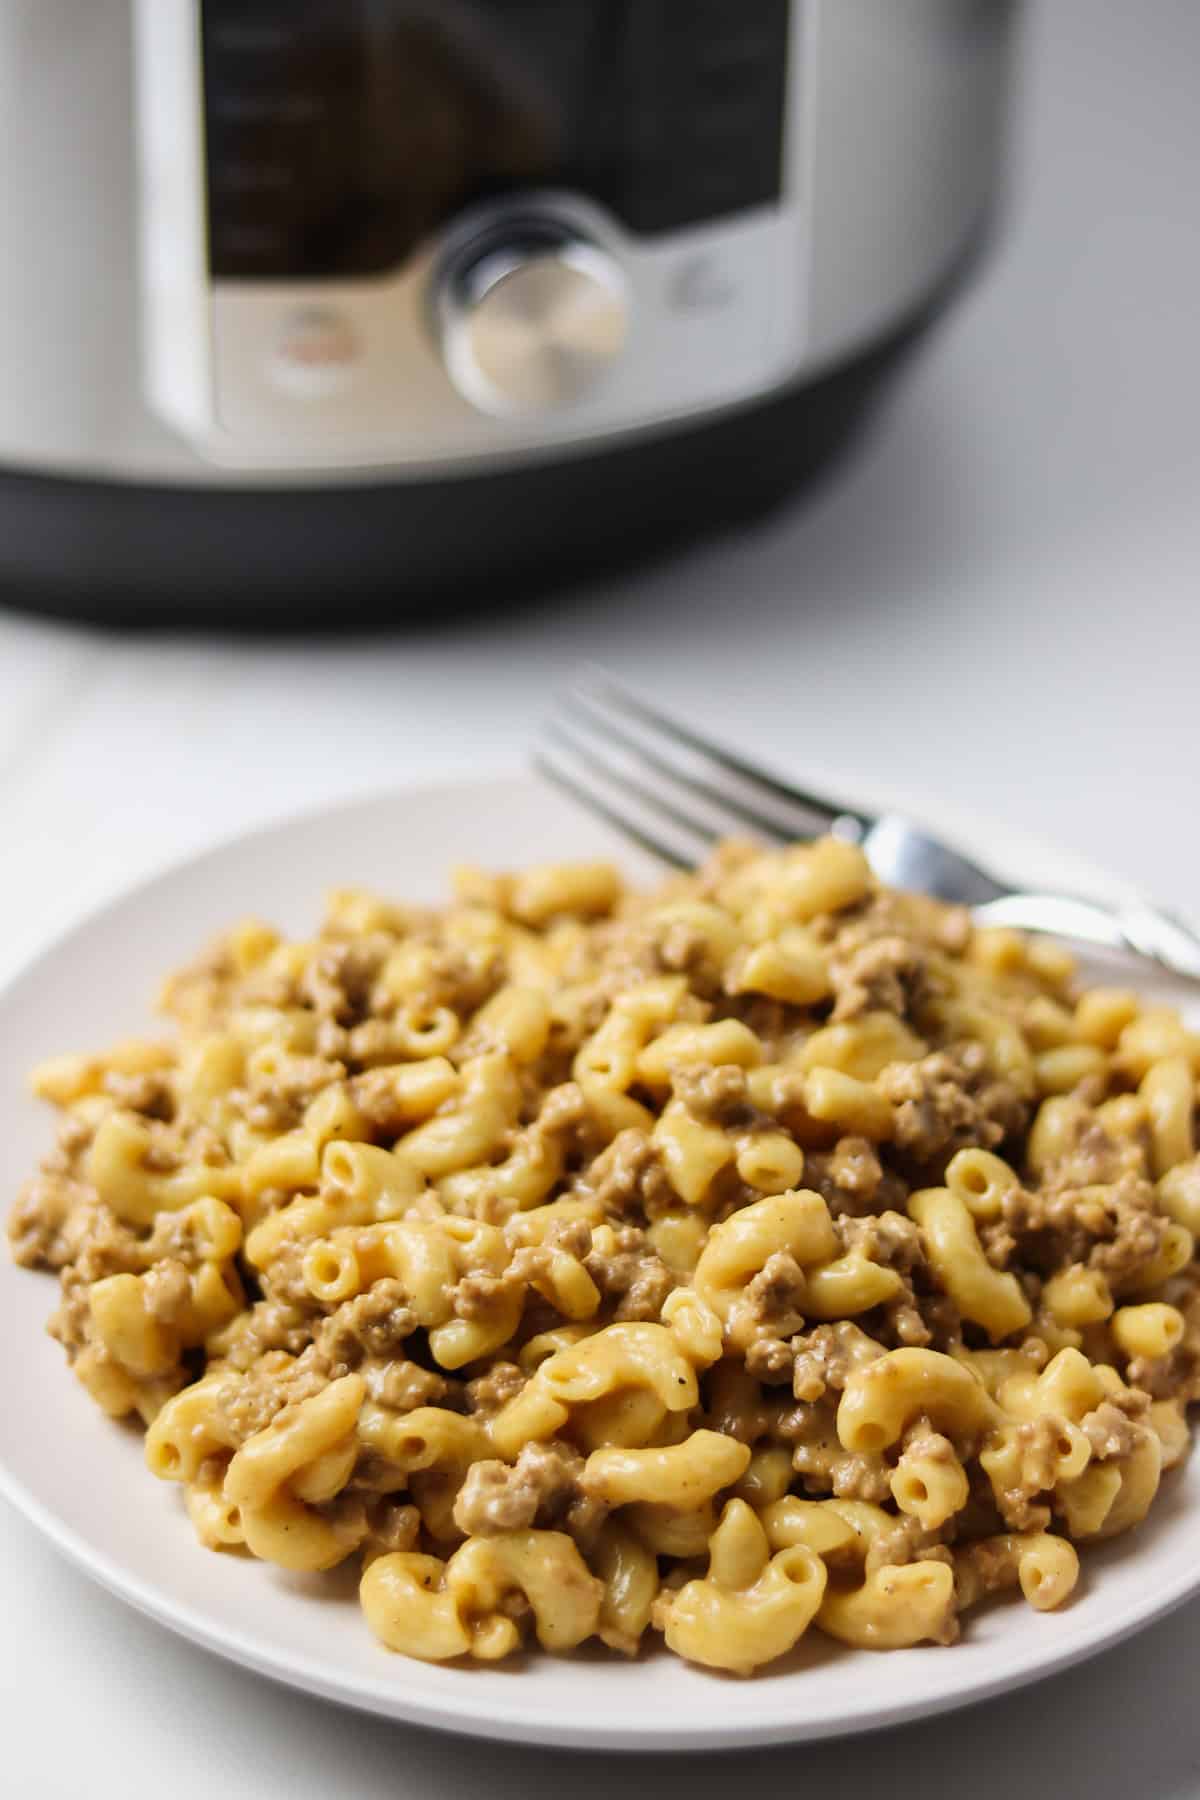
point(706, 830)
point(590, 716)
point(620, 821)
point(602, 688)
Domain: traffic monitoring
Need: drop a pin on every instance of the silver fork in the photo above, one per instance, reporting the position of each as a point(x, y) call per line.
point(675, 793)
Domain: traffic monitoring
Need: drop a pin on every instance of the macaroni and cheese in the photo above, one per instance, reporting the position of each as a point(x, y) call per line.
point(769, 1253)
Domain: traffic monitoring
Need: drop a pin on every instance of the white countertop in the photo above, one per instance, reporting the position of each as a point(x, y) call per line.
point(998, 599)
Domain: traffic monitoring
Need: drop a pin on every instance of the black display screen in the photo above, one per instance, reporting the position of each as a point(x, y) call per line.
point(341, 134)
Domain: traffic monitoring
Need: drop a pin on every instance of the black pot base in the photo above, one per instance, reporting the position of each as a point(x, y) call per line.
point(125, 554)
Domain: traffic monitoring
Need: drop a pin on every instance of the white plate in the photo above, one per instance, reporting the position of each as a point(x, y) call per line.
point(81, 1478)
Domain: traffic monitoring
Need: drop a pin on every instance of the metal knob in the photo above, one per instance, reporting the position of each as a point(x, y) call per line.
point(531, 319)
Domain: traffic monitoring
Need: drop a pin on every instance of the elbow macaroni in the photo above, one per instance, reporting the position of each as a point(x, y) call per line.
point(765, 1256)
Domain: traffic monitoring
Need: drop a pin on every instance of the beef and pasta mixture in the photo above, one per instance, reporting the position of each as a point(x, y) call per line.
point(767, 1252)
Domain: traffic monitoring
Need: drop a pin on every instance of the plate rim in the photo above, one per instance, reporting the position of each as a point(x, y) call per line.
point(490, 1713)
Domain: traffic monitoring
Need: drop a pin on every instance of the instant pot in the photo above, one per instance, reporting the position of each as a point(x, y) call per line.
point(311, 305)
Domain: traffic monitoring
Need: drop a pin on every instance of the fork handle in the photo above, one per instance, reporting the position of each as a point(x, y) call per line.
point(1143, 930)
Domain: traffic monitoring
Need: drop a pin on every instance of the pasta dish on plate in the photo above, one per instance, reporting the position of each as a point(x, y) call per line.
point(769, 1252)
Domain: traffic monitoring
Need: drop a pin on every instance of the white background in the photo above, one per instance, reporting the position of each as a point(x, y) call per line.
point(998, 600)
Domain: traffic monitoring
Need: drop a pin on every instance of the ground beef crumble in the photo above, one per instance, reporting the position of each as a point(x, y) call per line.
point(628, 1177)
point(402, 1386)
point(715, 1096)
point(851, 1178)
point(773, 1303)
point(886, 974)
point(948, 1100)
point(825, 1357)
point(48, 1220)
point(540, 1489)
point(375, 1324)
point(1115, 1231)
point(489, 1393)
point(632, 1275)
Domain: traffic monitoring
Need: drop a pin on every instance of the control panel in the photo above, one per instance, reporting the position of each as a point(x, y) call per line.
point(429, 229)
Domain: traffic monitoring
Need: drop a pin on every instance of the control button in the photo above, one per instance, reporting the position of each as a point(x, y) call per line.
point(532, 317)
point(699, 284)
point(317, 353)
